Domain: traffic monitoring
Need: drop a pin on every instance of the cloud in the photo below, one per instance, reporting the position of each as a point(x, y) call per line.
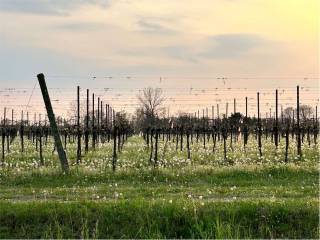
point(148, 26)
point(81, 26)
point(47, 7)
point(231, 45)
point(217, 47)
point(23, 63)
point(180, 52)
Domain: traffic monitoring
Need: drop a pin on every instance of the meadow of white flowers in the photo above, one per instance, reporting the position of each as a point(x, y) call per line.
point(135, 155)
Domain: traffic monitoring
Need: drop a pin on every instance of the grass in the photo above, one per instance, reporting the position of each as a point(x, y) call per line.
point(198, 198)
point(157, 219)
point(211, 183)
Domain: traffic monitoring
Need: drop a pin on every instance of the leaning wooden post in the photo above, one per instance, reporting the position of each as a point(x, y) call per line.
point(53, 124)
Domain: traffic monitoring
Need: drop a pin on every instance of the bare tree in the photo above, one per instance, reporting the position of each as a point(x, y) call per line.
point(150, 100)
point(72, 110)
point(306, 112)
point(288, 112)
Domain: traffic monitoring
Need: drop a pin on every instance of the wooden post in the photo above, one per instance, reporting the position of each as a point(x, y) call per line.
point(93, 127)
point(276, 134)
point(212, 112)
point(101, 113)
point(3, 134)
point(234, 106)
point(315, 128)
point(245, 134)
point(107, 116)
point(287, 140)
point(181, 138)
point(188, 144)
point(259, 126)
point(78, 126)
point(227, 109)
point(218, 111)
point(111, 117)
point(86, 136)
point(53, 124)
point(22, 132)
point(114, 156)
point(246, 107)
point(156, 149)
point(298, 124)
point(39, 131)
point(108, 121)
point(98, 117)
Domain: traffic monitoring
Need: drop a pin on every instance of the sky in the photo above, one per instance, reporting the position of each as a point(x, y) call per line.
point(167, 43)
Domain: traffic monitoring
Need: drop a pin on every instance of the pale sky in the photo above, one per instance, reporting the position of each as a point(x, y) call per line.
point(187, 43)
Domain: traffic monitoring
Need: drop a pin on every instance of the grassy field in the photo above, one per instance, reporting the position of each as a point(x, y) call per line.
point(204, 197)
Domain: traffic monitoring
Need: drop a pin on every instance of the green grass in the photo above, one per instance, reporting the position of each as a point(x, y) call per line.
point(199, 198)
point(158, 219)
point(210, 183)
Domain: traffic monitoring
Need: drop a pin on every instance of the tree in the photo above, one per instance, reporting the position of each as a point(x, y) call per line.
point(122, 120)
point(288, 112)
point(306, 112)
point(150, 100)
point(72, 110)
point(235, 118)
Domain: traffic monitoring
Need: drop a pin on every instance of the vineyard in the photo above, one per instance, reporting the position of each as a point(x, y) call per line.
point(200, 174)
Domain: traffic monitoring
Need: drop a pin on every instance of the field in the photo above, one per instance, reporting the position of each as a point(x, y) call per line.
point(203, 197)
point(161, 119)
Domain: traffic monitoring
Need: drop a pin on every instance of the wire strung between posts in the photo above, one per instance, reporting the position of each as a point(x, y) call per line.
point(31, 95)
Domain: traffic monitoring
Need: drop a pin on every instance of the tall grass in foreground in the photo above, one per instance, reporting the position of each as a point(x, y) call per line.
point(158, 219)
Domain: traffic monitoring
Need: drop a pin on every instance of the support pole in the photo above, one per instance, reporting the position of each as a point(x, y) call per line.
point(276, 133)
point(53, 124)
point(86, 136)
point(298, 124)
point(78, 127)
